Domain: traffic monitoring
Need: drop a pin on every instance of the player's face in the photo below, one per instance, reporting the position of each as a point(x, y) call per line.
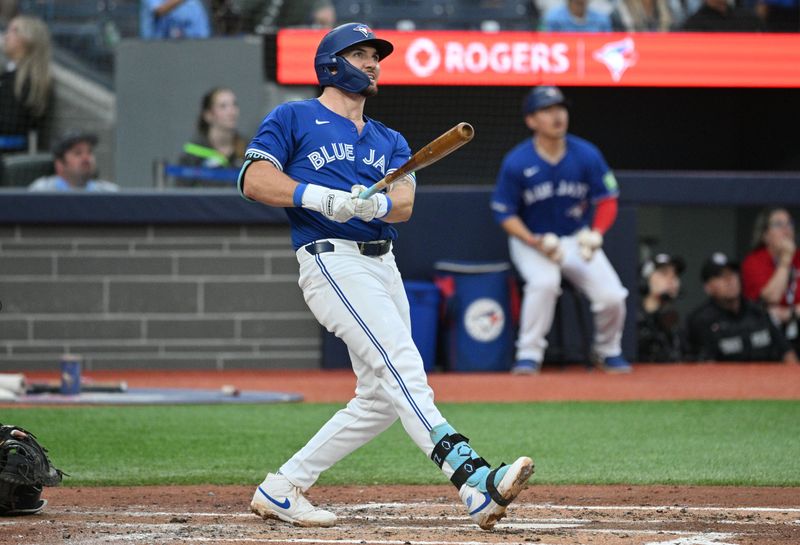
point(78, 165)
point(366, 59)
point(224, 111)
point(779, 228)
point(551, 122)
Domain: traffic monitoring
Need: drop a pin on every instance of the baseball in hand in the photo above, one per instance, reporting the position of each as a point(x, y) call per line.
point(549, 242)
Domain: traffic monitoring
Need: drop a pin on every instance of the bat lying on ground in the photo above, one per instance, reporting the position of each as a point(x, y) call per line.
point(440, 147)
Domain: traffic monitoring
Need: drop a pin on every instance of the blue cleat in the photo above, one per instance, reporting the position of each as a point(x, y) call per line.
point(614, 365)
point(526, 367)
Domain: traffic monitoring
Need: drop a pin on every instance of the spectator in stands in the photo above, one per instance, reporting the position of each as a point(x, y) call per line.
point(75, 166)
point(217, 143)
point(642, 16)
point(261, 16)
point(661, 338)
point(173, 19)
point(26, 83)
point(682, 9)
point(721, 16)
point(728, 327)
point(575, 16)
point(771, 271)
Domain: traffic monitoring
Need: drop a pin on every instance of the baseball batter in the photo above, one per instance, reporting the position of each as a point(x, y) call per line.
point(313, 158)
point(556, 197)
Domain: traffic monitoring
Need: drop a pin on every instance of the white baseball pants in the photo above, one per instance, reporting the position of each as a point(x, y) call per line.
point(596, 278)
point(362, 300)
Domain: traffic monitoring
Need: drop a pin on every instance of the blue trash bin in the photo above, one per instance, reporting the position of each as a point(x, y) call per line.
point(478, 332)
point(423, 300)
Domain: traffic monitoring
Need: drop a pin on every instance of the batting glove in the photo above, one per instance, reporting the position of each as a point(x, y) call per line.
point(376, 206)
point(589, 241)
point(333, 204)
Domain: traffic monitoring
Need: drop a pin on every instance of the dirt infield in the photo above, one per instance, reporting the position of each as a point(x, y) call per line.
point(432, 515)
point(425, 515)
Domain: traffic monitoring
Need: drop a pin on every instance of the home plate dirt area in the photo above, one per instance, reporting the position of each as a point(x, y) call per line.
point(379, 515)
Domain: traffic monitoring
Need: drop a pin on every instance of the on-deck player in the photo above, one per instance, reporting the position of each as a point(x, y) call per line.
point(313, 158)
point(548, 188)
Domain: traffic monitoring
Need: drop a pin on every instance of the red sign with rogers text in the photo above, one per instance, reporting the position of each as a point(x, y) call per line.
point(530, 58)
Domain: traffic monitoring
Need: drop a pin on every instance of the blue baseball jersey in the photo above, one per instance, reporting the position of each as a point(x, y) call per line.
point(314, 145)
point(552, 198)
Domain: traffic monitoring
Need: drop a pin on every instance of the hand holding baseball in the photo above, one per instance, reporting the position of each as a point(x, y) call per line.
point(589, 241)
point(550, 246)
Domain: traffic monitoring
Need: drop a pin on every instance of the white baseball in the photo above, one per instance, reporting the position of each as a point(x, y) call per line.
point(549, 242)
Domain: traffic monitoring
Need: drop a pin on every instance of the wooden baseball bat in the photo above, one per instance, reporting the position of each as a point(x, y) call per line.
point(435, 150)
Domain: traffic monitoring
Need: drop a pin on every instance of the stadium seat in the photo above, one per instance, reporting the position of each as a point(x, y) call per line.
point(20, 169)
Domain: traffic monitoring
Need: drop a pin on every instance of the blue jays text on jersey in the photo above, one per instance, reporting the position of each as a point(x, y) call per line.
point(552, 198)
point(314, 145)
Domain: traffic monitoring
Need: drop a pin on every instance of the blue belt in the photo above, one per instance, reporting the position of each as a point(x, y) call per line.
point(373, 248)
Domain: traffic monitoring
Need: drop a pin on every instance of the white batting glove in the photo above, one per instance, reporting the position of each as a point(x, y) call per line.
point(589, 241)
point(376, 206)
point(333, 204)
point(550, 246)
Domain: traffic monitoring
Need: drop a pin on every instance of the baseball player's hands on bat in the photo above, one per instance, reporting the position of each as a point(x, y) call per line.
point(589, 240)
point(333, 204)
point(376, 206)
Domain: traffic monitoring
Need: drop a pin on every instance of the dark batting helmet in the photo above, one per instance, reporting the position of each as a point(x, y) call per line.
point(335, 70)
point(543, 96)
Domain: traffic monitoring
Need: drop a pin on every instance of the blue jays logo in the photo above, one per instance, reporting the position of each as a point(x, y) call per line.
point(617, 57)
point(363, 29)
point(484, 319)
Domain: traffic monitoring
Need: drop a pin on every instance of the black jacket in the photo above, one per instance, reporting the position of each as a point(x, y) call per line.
point(749, 335)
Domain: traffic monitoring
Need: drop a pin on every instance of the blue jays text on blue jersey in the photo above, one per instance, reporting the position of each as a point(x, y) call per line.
point(312, 144)
point(552, 198)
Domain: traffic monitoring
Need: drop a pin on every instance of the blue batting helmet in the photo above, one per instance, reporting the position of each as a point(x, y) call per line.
point(335, 70)
point(543, 96)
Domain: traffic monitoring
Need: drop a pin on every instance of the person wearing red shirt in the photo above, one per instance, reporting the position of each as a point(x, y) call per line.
point(771, 271)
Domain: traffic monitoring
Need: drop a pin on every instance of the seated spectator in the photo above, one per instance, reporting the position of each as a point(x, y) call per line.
point(26, 82)
point(173, 19)
point(771, 271)
point(728, 327)
point(217, 143)
point(75, 166)
point(720, 16)
point(661, 338)
point(262, 16)
point(575, 16)
point(642, 16)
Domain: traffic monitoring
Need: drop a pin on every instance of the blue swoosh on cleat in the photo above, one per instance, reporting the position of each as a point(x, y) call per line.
point(283, 505)
point(486, 499)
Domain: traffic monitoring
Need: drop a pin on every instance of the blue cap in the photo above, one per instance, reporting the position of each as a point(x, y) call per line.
point(543, 96)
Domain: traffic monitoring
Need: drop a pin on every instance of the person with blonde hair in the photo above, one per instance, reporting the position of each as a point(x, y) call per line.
point(26, 83)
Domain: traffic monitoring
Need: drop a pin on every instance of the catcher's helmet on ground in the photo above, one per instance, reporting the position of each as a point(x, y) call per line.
point(543, 96)
point(334, 70)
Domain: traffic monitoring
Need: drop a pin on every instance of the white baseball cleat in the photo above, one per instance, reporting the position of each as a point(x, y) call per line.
point(483, 508)
point(277, 498)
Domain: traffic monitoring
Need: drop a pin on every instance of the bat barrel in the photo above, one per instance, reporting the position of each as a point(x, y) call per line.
point(465, 130)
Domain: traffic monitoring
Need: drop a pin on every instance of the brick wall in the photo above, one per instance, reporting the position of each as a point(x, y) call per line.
point(153, 296)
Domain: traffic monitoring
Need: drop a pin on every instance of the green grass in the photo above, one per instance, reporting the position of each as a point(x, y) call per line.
point(699, 442)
